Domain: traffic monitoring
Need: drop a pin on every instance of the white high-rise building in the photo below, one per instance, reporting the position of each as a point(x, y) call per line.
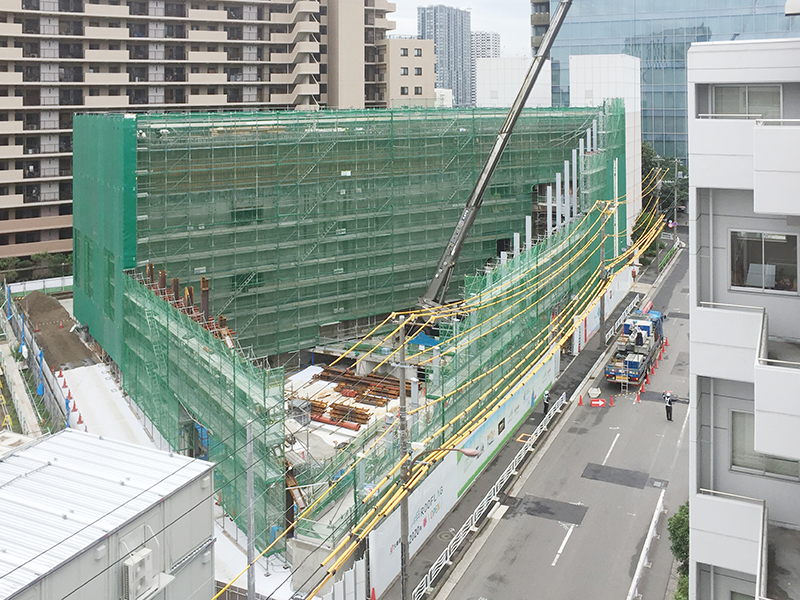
point(58, 57)
point(485, 44)
point(744, 201)
point(449, 28)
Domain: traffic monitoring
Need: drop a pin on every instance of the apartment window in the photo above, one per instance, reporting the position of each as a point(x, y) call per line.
point(417, 51)
point(404, 91)
point(403, 70)
point(417, 70)
point(753, 101)
point(744, 456)
point(763, 261)
point(418, 90)
point(403, 51)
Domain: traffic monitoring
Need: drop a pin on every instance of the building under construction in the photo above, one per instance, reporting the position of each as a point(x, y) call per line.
point(304, 223)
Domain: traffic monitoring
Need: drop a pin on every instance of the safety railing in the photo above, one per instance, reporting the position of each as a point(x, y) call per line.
point(633, 592)
point(445, 558)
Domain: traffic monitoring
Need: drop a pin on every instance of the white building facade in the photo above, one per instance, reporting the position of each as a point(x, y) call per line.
point(86, 517)
point(450, 29)
point(744, 135)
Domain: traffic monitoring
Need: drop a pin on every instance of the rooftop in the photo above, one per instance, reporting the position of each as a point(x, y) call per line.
point(71, 490)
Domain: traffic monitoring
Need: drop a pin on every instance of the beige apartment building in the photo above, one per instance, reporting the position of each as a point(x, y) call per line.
point(59, 57)
point(410, 72)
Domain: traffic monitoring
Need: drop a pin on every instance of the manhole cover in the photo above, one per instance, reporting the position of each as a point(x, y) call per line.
point(448, 535)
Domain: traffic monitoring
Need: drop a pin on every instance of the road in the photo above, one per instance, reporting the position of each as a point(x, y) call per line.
point(574, 525)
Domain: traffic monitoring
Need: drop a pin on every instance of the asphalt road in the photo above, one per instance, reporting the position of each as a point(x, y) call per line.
point(575, 523)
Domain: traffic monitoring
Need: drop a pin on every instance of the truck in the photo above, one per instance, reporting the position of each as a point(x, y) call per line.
point(637, 347)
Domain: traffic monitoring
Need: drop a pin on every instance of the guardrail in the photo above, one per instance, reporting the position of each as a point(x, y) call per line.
point(633, 592)
point(445, 558)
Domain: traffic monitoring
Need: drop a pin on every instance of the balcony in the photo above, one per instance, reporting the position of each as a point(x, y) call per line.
point(208, 36)
point(106, 56)
point(106, 78)
point(10, 29)
point(776, 169)
point(11, 175)
point(7, 127)
point(107, 33)
point(727, 531)
point(208, 99)
point(721, 152)
point(777, 412)
point(10, 78)
point(724, 340)
point(106, 10)
point(208, 78)
point(105, 101)
point(208, 57)
point(540, 18)
point(215, 16)
point(10, 53)
point(10, 151)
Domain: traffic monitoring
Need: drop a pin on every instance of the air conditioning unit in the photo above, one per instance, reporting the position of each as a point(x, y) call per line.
point(137, 574)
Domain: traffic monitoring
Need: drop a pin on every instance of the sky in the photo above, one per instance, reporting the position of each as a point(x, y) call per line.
point(510, 18)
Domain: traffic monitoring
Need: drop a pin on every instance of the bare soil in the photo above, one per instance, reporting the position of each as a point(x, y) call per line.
point(61, 348)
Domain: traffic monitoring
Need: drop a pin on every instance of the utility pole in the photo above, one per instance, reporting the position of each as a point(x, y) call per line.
point(406, 470)
point(675, 199)
point(251, 517)
point(603, 278)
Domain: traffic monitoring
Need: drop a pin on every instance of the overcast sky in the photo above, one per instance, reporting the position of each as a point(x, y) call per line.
point(510, 18)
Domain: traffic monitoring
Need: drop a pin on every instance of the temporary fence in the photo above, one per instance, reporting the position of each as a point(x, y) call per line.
point(53, 396)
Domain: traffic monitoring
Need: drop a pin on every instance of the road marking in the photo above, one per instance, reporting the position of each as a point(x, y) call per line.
point(632, 514)
point(610, 449)
point(613, 428)
point(523, 437)
point(564, 543)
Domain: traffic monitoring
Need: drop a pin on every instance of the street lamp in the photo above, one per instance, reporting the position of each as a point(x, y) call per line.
point(406, 476)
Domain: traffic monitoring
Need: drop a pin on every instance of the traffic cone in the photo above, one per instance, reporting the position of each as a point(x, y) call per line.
point(65, 383)
point(580, 400)
point(647, 379)
point(666, 341)
point(86, 429)
point(638, 399)
point(661, 353)
point(60, 373)
point(36, 329)
point(74, 405)
point(61, 324)
point(612, 400)
point(80, 419)
point(69, 394)
point(653, 369)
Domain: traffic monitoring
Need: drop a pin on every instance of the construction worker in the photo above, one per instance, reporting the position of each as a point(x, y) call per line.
point(546, 402)
point(668, 404)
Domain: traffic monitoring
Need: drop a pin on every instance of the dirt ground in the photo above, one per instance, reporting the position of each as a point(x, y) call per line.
point(61, 348)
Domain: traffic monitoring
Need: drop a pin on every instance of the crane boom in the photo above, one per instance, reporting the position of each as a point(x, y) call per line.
point(435, 296)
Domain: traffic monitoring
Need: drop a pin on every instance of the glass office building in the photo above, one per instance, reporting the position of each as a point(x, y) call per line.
point(660, 33)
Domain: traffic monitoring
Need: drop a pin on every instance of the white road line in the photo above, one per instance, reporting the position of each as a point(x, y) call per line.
point(564, 543)
point(605, 460)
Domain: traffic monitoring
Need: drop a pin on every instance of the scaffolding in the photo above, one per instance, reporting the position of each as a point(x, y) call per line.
point(308, 219)
point(200, 394)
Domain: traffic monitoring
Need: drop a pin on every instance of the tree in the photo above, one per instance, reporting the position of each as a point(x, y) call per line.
point(682, 593)
point(678, 528)
point(662, 195)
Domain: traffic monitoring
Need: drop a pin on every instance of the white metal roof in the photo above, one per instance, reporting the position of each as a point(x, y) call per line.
point(62, 494)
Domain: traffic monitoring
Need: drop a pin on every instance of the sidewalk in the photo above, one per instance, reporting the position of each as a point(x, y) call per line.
point(568, 381)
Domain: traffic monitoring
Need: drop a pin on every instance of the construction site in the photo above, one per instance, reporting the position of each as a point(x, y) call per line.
point(308, 239)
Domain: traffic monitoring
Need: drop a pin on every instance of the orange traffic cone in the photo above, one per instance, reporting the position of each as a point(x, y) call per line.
point(80, 419)
point(661, 353)
point(612, 400)
point(61, 324)
point(580, 400)
point(638, 399)
point(65, 383)
point(666, 341)
point(60, 373)
point(69, 394)
point(74, 406)
point(647, 379)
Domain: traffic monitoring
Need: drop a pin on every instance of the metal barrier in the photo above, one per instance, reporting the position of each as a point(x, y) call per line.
point(633, 592)
point(445, 558)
